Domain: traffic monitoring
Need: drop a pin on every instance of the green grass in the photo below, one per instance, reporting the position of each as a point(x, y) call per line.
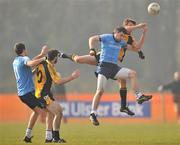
point(105, 134)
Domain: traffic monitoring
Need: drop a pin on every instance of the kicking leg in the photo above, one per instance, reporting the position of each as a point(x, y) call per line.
point(85, 59)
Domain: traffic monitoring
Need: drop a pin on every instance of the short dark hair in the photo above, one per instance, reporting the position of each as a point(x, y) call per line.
point(52, 54)
point(120, 29)
point(19, 47)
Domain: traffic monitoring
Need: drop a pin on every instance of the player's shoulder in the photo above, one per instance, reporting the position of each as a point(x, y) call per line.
point(20, 59)
point(105, 37)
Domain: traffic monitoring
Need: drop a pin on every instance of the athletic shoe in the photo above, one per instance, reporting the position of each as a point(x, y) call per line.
point(27, 139)
point(144, 98)
point(127, 111)
point(60, 140)
point(48, 141)
point(93, 119)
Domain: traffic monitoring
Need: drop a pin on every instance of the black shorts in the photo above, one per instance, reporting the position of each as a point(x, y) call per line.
point(46, 100)
point(109, 70)
point(97, 56)
point(30, 100)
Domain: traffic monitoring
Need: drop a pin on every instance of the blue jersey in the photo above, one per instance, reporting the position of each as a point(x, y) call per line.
point(23, 74)
point(110, 48)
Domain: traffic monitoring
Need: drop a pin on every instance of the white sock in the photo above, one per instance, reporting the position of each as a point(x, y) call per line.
point(94, 111)
point(138, 94)
point(48, 134)
point(28, 132)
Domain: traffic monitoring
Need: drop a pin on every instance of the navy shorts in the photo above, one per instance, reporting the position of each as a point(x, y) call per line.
point(109, 70)
point(30, 100)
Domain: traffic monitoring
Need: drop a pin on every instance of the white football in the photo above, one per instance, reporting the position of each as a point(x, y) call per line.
point(153, 8)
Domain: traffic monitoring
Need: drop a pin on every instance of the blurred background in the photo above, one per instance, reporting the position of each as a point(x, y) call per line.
point(67, 25)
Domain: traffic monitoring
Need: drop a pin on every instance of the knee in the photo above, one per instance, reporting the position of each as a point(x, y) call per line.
point(37, 111)
point(132, 74)
point(77, 59)
point(59, 110)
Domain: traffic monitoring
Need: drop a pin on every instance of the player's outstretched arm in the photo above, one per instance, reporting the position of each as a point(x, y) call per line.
point(73, 76)
point(33, 63)
point(138, 26)
point(136, 46)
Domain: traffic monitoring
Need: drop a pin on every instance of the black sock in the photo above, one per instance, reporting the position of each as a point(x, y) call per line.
point(55, 135)
point(123, 94)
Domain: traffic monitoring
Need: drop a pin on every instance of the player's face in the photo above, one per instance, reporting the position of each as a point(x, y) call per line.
point(119, 36)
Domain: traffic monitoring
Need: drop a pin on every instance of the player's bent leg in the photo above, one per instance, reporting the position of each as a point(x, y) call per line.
point(133, 77)
point(125, 73)
point(85, 59)
point(33, 117)
point(56, 109)
point(141, 98)
point(32, 120)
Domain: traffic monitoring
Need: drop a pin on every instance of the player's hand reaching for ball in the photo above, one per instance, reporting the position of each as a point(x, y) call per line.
point(75, 74)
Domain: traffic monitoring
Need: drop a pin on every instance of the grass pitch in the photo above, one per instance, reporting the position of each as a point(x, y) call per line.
point(105, 134)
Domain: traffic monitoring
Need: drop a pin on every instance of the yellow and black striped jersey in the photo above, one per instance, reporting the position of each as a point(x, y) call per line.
point(45, 75)
point(129, 40)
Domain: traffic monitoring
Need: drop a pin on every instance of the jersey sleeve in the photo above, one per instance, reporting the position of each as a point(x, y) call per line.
point(25, 60)
point(56, 77)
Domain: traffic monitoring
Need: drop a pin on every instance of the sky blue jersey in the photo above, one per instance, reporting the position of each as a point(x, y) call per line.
point(23, 74)
point(110, 48)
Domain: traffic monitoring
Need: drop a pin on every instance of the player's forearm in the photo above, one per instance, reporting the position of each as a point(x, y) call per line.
point(141, 41)
point(33, 63)
point(65, 80)
point(131, 28)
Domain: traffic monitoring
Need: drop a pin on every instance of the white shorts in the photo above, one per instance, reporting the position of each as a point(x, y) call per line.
point(123, 73)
